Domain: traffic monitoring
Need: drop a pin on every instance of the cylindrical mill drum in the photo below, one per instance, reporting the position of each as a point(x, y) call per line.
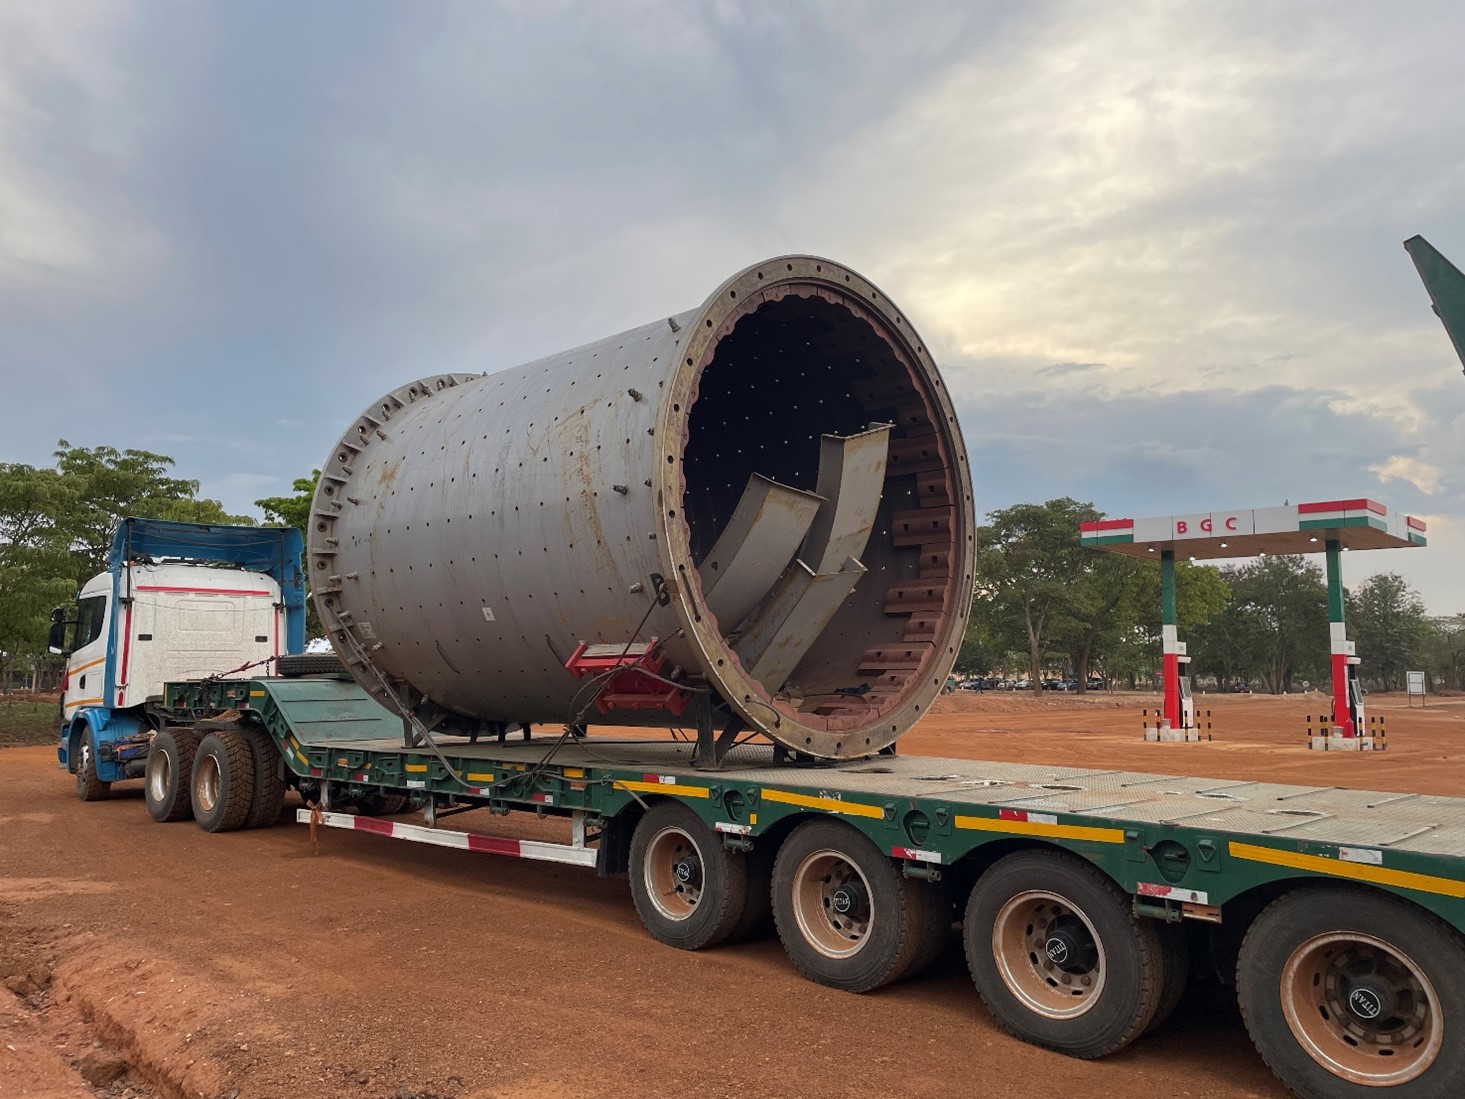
point(765, 498)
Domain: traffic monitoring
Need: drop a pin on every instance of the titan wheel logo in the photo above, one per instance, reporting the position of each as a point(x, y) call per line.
point(684, 872)
point(1365, 1003)
point(1057, 951)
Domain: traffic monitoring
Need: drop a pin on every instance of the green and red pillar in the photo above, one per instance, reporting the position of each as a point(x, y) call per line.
point(1169, 640)
point(1338, 642)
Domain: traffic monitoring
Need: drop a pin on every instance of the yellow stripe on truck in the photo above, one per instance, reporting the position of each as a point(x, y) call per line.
point(417, 768)
point(1321, 864)
point(663, 788)
point(833, 805)
point(1051, 831)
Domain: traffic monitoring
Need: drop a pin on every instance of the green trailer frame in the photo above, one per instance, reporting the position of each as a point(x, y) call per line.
point(1205, 855)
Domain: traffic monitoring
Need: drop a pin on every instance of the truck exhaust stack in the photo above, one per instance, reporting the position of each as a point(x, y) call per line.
point(755, 515)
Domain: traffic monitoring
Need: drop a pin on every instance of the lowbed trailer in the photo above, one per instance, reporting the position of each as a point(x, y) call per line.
point(1086, 897)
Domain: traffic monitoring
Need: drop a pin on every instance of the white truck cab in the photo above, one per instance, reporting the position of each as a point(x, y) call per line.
point(180, 601)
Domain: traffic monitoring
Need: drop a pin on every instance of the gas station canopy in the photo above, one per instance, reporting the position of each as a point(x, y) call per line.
point(1356, 524)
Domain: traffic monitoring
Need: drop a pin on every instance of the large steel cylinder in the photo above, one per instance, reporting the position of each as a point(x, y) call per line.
point(767, 494)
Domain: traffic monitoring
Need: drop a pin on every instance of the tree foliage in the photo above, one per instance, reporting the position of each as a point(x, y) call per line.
point(1274, 629)
point(1027, 558)
point(56, 526)
point(1389, 627)
point(294, 511)
point(105, 485)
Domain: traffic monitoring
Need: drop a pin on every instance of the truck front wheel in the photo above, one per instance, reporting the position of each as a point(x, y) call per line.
point(166, 787)
point(689, 889)
point(88, 786)
point(1347, 994)
point(223, 781)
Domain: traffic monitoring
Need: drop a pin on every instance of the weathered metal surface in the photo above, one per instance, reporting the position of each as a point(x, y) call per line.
point(755, 547)
point(470, 531)
point(789, 623)
point(851, 479)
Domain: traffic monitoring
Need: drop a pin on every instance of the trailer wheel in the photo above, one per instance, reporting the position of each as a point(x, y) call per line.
point(223, 781)
point(269, 780)
point(689, 889)
point(846, 915)
point(378, 804)
point(937, 919)
point(1347, 992)
point(88, 786)
point(1058, 957)
point(757, 916)
point(166, 787)
point(1174, 971)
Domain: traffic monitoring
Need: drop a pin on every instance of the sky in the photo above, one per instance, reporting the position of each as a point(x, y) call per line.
point(1154, 247)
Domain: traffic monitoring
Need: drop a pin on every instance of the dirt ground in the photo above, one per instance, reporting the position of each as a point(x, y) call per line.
point(150, 961)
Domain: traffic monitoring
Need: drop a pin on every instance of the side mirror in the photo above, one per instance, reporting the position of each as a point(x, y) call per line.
point(56, 635)
point(58, 615)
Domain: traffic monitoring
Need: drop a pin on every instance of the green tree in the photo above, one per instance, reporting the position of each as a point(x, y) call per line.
point(294, 511)
point(1275, 628)
point(104, 485)
point(35, 569)
point(1445, 652)
point(1388, 625)
point(1027, 558)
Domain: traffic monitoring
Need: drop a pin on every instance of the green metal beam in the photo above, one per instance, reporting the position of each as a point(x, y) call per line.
point(1446, 286)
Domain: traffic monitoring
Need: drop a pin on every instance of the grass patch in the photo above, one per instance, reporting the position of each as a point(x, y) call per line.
point(28, 721)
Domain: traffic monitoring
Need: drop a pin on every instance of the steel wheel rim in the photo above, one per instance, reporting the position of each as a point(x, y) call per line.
point(84, 765)
point(673, 873)
point(1049, 954)
point(206, 783)
point(1362, 1008)
point(833, 904)
point(160, 777)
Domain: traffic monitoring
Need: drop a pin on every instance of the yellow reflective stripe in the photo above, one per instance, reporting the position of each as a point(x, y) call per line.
point(417, 767)
point(833, 805)
point(663, 788)
point(1032, 828)
point(84, 667)
point(256, 694)
point(574, 772)
point(1321, 864)
point(85, 702)
point(478, 777)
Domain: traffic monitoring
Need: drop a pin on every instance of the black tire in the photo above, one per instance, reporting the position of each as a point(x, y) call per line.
point(380, 804)
point(269, 780)
point(298, 664)
point(1057, 955)
point(1175, 963)
point(1312, 952)
point(88, 786)
point(690, 891)
point(222, 785)
point(846, 915)
point(938, 917)
point(757, 918)
point(167, 783)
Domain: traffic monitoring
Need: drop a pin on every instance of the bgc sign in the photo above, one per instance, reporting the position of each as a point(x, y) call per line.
point(1215, 524)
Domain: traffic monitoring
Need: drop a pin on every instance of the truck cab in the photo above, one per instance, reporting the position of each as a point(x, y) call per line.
point(177, 601)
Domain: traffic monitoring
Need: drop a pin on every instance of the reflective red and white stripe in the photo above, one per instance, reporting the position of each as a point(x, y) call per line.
point(466, 841)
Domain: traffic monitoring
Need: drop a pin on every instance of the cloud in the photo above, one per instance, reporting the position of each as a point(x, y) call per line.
point(1060, 370)
point(1155, 249)
point(1399, 467)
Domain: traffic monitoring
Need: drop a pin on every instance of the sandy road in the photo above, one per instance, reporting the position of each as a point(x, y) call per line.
point(208, 963)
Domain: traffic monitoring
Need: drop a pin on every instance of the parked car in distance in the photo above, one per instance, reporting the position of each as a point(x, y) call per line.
point(1096, 683)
